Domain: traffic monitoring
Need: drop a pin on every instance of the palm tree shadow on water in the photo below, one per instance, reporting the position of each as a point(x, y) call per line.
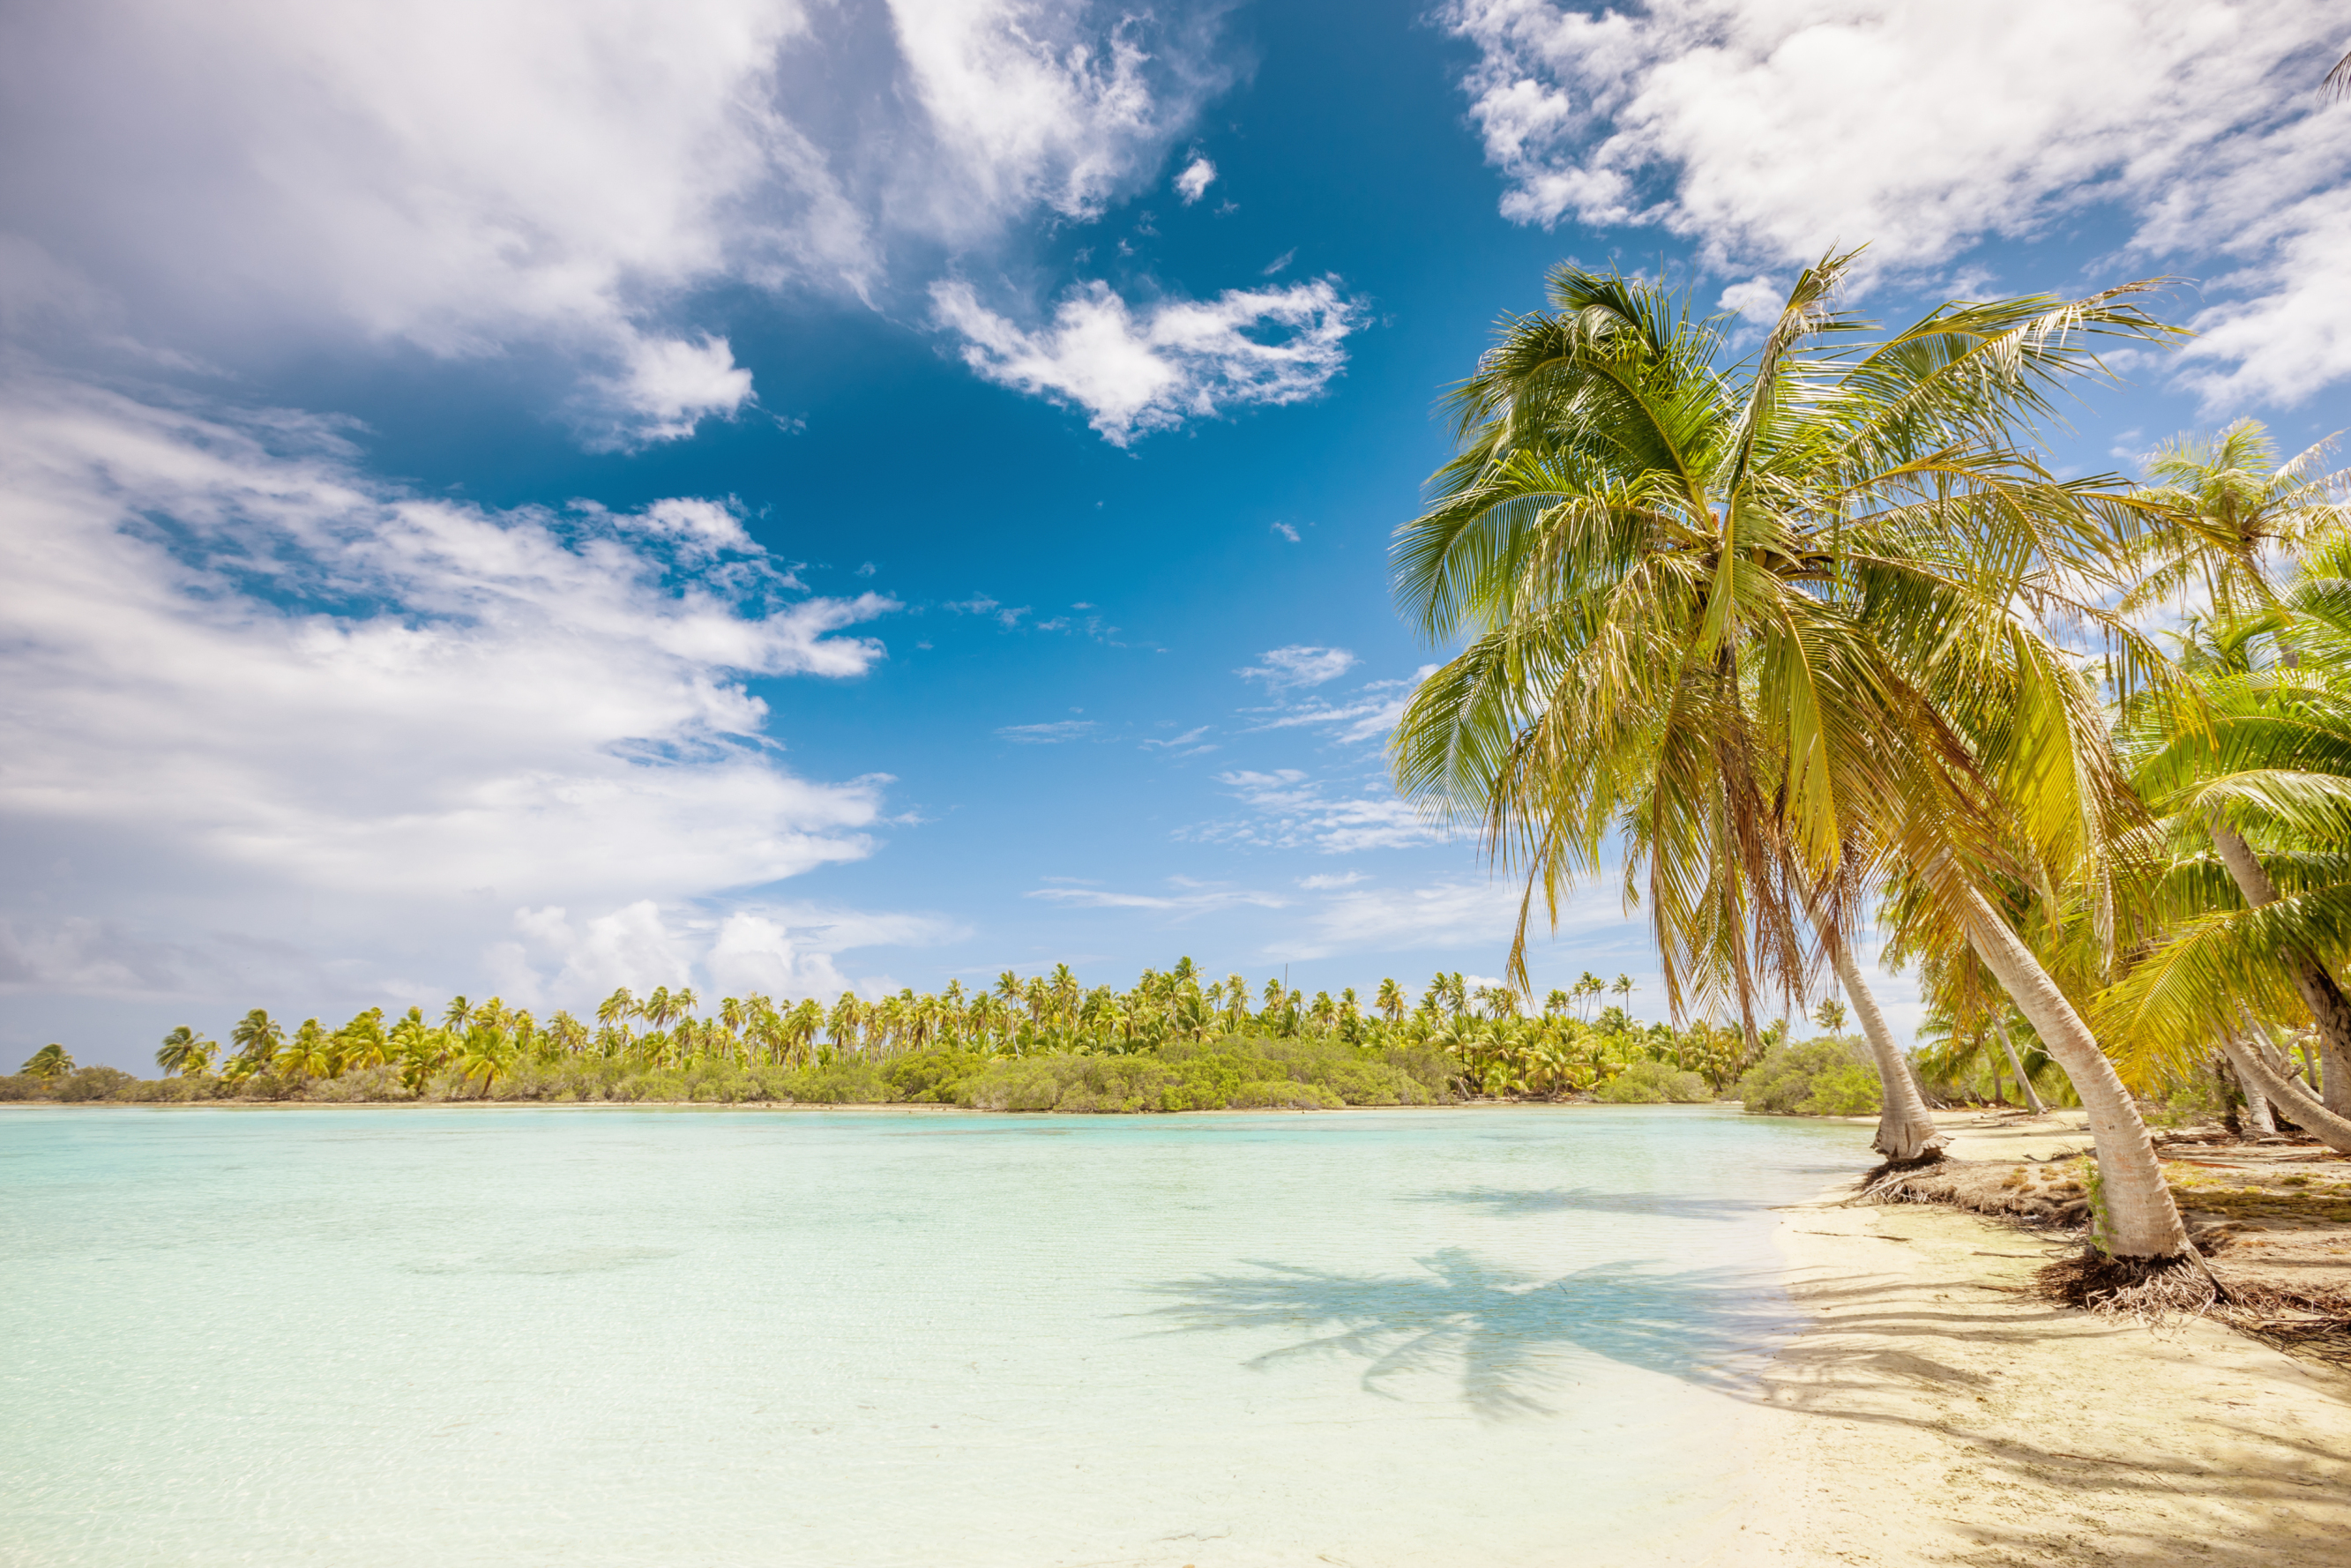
point(1512, 1341)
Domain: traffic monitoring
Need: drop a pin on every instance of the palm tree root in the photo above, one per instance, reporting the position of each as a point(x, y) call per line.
point(2315, 1323)
point(1889, 1171)
point(2150, 1288)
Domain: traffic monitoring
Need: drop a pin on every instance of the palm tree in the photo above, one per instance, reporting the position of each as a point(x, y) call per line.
point(1756, 620)
point(485, 1054)
point(2258, 765)
point(306, 1055)
point(256, 1037)
point(1389, 999)
point(50, 1061)
point(459, 1013)
point(2230, 506)
point(186, 1052)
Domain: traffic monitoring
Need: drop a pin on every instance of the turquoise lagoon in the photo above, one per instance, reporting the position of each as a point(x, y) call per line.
point(454, 1336)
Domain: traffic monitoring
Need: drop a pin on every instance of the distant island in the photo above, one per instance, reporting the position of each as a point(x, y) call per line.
point(1174, 1041)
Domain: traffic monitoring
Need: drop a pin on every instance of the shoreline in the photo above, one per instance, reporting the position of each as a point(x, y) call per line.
point(1935, 1411)
point(891, 1108)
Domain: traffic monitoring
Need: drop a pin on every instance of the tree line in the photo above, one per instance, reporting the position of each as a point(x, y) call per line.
point(1576, 1040)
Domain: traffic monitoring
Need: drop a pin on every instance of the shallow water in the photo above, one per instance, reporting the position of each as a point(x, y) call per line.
point(350, 1336)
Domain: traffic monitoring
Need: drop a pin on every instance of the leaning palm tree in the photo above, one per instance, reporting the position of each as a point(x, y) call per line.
point(1720, 617)
point(186, 1052)
point(51, 1060)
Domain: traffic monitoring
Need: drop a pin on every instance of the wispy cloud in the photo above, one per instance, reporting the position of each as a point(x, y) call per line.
point(1048, 734)
point(1136, 369)
point(1196, 899)
point(1286, 531)
point(1328, 882)
point(1282, 669)
point(1290, 810)
point(1187, 744)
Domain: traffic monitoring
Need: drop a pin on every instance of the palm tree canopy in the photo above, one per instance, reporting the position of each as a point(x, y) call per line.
point(1763, 622)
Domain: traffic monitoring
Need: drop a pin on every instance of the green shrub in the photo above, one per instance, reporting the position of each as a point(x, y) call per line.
point(1654, 1083)
point(932, 1077)
point(1816, 1078)
point(835, 1083)
point(366, 1084)
point(85, 1083)
point(24, 1086)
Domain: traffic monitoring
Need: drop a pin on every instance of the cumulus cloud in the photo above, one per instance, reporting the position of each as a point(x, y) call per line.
point(1298, 665)
point(784, 952)
point(1770, 131)
point(256, 698)
point(252, 178)
point(1193, 182)
point(1134, 371)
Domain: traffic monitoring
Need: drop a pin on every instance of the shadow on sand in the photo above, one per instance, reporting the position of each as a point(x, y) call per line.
point(1508, 1339)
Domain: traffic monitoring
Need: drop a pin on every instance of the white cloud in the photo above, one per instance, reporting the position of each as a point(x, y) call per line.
point(1287, 531)
point(1445, 914)
point(1138, 370)
point(244, 179)
point(1328, 883)
point(1292, 810)
point(1193, 182)
point(281, 712)
point(1770, 130)
point(1371, 714)
point(1758, 300)
point(1182, 904)
point(1298, 665)
point(1048, 734)
point(782, 952)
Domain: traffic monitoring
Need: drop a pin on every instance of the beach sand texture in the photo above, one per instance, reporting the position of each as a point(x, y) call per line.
point(1936, 1412)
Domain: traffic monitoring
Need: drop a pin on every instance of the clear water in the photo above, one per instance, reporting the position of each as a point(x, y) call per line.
point(350, 1336)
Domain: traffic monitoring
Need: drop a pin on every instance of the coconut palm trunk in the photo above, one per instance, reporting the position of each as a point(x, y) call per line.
point(1906, 1134)
point(2135, 1215)
point(2031, 1095)
point(2329, 1009)
point(2255, 1069)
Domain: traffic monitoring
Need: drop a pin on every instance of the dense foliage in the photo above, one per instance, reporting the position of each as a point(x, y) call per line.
point(1173, 1042)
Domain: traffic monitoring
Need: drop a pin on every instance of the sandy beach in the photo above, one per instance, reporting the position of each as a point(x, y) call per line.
point(1938, 1412)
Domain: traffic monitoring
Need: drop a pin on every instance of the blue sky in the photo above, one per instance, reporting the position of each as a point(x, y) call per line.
point(784, 496)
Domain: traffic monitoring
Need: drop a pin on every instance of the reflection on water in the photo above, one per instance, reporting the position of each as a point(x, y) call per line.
point(352, 1337)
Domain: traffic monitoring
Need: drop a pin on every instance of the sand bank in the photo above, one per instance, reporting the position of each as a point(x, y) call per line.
point(1938, 1413)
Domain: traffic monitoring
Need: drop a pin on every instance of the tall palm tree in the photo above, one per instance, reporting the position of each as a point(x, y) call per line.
point(1753, 623)
point(256, 1037)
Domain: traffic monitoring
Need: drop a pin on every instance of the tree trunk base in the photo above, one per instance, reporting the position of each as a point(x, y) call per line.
point(2146, 1287)
point(1931, 1155)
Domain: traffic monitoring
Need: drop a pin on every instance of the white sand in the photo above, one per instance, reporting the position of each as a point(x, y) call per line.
point(1935, 1414)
